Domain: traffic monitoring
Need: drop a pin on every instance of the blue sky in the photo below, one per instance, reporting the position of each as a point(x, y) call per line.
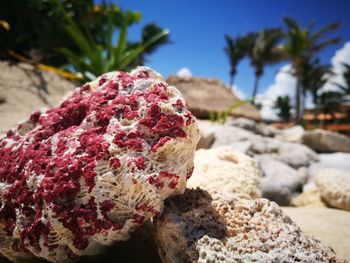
point(198, 27)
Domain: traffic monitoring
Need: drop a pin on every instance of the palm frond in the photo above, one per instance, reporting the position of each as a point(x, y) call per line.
point(324, 30)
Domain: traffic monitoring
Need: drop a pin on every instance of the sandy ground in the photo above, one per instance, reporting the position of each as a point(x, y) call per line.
point(24, 89)
point(331, 226)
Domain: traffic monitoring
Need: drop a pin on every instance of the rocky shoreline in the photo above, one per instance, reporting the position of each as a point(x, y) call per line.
point(237, 206)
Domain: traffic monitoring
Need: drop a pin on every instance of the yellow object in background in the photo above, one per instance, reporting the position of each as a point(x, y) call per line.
point(63, 73)
point(5, 25)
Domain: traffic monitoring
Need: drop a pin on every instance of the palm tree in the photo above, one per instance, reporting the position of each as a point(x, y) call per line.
point(265, 51)
point(148, 32)
point(282, 104)
point(235, 50)
point(314, 77)
point(301, 45)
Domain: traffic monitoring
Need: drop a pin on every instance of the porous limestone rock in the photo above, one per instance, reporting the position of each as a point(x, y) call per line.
point(334, 186)
point(197, 227)
point(85, 174)
point(139, 248)
point(222, 169)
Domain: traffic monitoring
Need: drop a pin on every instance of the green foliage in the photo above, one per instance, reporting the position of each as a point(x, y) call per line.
point(37, 28)
point(236, 50)
point(329, 102)
point(261, 47)
point(265, 51)
point(94, 59)
point(148, 32)
point(283, 105)
point(221, 117)
point(301, 45)
point(313, 77)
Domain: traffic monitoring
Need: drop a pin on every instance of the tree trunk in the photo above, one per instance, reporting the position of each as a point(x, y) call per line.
point(297, 101)
point(303, 102)
point(232, 78)
point(255, 89)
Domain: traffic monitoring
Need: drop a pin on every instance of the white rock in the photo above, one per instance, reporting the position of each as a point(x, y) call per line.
point(279, 181)
point(334, 186)
point(242, 123)
point(223, 170)
point(338, 160)
point(293, 134)
point(326, 141)
point(296, 155)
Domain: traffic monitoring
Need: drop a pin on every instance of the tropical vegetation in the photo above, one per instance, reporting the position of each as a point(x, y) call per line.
point(295, 44)
point(283, 107)
point(83, 39)
point(93, 59)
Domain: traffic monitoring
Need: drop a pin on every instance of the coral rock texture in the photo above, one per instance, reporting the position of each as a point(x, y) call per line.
point(224, 170)
point(197, 227)
point(334, 186)
point(85, 174)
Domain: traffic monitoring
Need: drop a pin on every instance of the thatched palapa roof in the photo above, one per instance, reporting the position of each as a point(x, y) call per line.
point(205, 95)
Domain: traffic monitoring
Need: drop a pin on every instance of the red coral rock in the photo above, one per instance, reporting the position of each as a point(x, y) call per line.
point(85, 174)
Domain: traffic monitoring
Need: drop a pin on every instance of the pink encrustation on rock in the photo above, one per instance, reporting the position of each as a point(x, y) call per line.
point(85, 174)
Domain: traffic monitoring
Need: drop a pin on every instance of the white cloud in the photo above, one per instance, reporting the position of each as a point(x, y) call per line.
point(284, 85)
point(238, 92)
point(184, 72)
point(341, 56)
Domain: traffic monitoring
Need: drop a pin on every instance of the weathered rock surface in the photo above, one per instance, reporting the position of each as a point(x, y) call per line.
point(334, 186)
point(204, 95)
point(197, 227)
point(222, 169)
point(296, 155)
point(242, 123)
point(24, 89)
point(293, 134)
point(224, 134)
point(266, 130)
point(279, 181)
point(293, 154)
point(331, 226)
point(87, 173)
point(252, 126)
point(139, 248)
point(207, 138)
point(326, 141)
point(336, 160)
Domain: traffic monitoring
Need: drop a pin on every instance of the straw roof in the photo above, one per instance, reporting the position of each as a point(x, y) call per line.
point(205, 95)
